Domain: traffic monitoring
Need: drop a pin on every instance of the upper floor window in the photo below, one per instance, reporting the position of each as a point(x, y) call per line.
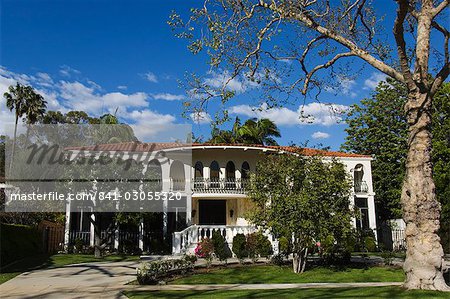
point(245, 170)
point(198, 170)
point(214, 171)
point(177, 175)
point(154, 174)
point(230, 175)
point(358, 174)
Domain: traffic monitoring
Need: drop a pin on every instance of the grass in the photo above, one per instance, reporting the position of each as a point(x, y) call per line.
point(54, 261)
point(371, 292)
point(276, 274)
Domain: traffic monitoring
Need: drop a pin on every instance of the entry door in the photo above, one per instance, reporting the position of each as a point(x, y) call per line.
point(212, 212)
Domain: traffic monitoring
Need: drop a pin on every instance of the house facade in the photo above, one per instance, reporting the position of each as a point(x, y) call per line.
point(216, 182)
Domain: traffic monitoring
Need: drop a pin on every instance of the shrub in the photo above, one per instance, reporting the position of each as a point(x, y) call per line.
point(263, 245)
point(370, 244)
point(78, 245)
point(221, 249)
point(277, 259)
point(284, 246)
point(205, 249)
point(155, 271)
point(258, 245)
point(239, 247)
point(250, 247)
point(388, 257)
point(335, 251)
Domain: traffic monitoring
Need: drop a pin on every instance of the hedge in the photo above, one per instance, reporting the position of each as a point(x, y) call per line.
point(18, 242)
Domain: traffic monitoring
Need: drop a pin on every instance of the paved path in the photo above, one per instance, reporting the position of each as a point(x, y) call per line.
point(260, 286)
point(89, 280)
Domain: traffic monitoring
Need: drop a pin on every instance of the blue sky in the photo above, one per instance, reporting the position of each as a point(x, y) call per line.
point(101, 55)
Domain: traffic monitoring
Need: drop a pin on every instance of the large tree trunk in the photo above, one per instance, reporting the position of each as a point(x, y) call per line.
point(299, 260)
point(421, 210)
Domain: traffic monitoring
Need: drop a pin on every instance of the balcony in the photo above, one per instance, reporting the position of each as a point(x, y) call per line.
point(361, 187)
point(221, 186)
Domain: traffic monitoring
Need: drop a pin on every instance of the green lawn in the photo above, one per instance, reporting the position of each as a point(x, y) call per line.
point(275, 274)
point(53, 261)
point(373, 292)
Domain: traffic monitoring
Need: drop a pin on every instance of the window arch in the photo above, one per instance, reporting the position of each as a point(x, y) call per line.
point(358, 174)
point(230, 175)
point(198, 170)
point(177, 176)
point(214, 171)
point(245, 170)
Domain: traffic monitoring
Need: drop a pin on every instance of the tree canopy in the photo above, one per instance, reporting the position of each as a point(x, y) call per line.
point(305, 200)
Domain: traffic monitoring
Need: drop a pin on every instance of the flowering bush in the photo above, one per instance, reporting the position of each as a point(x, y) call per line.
point(205, 249)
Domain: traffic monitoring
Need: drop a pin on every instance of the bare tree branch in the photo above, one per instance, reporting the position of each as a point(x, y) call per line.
point(441, 6)
point(440, 78)
point(357, 51)
point(323, 66)
point(402, 11)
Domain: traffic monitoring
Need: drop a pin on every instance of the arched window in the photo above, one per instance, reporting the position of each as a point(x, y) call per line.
point(198, 170)
point(177, 176)
point(214, 171)
point(154, 174)
point(245, 170)
point(198, 176)
point(358, 174)
point(230, 175)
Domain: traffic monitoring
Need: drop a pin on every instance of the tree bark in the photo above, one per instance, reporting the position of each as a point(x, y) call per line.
point(424, 263)
point(299, 261)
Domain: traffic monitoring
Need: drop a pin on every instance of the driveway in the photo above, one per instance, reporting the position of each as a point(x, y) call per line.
point(89, 280)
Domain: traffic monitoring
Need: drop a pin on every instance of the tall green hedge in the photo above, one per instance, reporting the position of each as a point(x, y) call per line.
point(18, 242)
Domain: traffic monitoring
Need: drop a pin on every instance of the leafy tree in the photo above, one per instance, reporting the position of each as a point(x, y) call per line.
point(378, 127)
point(259, 131)
point(250, 42)
point(24, 101)
point(302, 199)
point(253, 131)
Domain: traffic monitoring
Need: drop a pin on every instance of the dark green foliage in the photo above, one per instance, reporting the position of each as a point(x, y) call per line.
point(18, 242)
point(239, 247)
point(155, 271)
point(251, 246)
point(378, 127)
point(263, 245)
point(284, 246)
point(221, 249)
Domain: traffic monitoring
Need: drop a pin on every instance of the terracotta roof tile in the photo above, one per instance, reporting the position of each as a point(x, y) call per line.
point(147, 147)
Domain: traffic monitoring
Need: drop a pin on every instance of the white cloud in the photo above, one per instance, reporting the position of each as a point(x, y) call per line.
point(151, 77)
point(344, 86)
point(200, 117)
point(373, 80)
point(122, 87)
point(320, 135)
point(237, 84)
point(168, 96)
point(313, 113)
point(67, 71)
point(148, 123)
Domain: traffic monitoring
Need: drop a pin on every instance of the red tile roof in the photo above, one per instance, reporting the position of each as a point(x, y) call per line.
point(146, 147)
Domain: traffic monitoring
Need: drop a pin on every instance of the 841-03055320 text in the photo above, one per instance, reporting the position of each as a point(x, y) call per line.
point(98, 195)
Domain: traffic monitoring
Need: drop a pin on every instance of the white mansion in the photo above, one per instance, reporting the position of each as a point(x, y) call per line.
point(216, 180)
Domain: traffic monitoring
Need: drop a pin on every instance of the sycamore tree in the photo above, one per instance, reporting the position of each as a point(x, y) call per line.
point(282, 45)
point(377, 126)
point(305, 200)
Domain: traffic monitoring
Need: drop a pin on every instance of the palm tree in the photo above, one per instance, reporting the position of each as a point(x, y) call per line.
point(259, 131)
point(24, 100)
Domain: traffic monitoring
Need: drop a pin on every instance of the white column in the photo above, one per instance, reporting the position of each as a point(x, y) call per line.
point(141, 234)
point(67, 227)
point(372, 215)
point(188, 171)
point(92, 230)
point(116, 237)
point(165, 173)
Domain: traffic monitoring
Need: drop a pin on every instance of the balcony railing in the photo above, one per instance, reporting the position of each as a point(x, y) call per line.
point(216, 185)
point(361, 187)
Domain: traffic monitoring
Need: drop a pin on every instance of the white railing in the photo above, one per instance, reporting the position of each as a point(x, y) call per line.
point(186, 240)
point(222, 185)
point(361, 187)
